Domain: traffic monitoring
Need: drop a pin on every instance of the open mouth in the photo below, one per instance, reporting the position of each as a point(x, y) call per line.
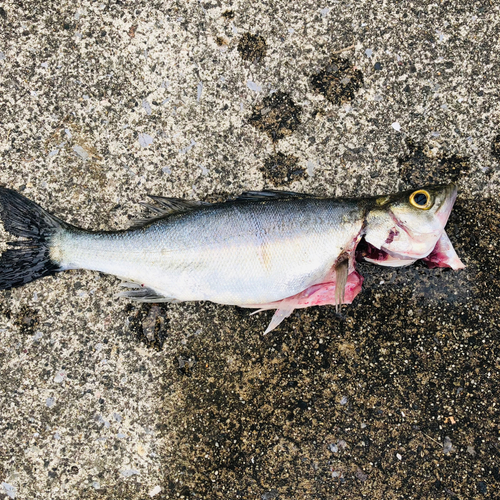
point(370, 253)
point(367, 250)
point(444, 211)
point(443, 255)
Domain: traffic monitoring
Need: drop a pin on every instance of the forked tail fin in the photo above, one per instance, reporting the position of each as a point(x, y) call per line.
point(28, 257)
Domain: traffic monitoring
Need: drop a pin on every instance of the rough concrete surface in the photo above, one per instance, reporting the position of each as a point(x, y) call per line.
point(104, 102)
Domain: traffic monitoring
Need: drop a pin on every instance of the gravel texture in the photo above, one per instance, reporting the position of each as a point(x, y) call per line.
point(396, 397)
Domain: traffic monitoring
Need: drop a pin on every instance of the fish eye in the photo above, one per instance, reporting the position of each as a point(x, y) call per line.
point(421, 199)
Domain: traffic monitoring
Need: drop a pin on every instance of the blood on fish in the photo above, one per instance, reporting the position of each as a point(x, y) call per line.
point(392, 234)
point(443, 255)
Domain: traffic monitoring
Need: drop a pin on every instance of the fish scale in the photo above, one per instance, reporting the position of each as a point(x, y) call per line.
point(229, 253)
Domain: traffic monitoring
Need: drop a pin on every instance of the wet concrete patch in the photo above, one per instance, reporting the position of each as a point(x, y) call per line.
point(148, 323)
point(277, 115)
point(422, 167)
point(252, 48)
point(392, 395)
point(338, 81)
point(281, 170)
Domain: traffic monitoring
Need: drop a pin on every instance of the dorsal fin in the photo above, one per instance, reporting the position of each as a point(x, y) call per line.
point(163, 206)
point(270, 194)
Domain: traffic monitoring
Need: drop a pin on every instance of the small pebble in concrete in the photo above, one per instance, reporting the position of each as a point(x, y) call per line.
point(154, 491)
point(253, 86)
point(145, 140)
point(80, 152)
point(482, 487)
point(129, 472)
point(146, 106)
point(10, 490)
point(447, 446)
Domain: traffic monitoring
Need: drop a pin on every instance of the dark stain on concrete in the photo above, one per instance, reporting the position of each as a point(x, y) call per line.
point(148, 323)
point(27, 320)
point(338, 81)
point(282, 170)
point(277, 115)
point(221, 41)
point(358, 404)
point(495, 147)
point(5, 310)
point(228, 15)
point(419, 167)
point(252, 48)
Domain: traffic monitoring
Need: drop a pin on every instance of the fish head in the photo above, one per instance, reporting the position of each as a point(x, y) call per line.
point(407, 226)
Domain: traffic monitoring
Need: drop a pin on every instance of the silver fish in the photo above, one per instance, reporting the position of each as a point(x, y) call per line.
point(263, 250)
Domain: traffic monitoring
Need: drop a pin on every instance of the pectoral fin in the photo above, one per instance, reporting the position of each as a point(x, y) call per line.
point(341, 273)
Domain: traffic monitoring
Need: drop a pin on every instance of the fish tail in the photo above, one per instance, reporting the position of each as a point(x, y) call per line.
point(28, 256)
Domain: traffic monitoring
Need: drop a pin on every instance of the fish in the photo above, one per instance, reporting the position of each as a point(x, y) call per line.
point(263, 250)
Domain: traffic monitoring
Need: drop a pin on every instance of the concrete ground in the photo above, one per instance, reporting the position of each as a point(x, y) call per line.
point(104, 102)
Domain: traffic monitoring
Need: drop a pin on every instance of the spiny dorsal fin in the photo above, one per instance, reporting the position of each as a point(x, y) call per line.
point(164, 206)
point(270, 194)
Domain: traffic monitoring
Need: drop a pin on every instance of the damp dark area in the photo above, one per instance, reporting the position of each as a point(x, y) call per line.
point(252, 48)
point(27, 320)
point(495, 147)
point(338, 81)
point(281, 169)
point(277, 115)
point(228, 15)
point(148, 323)
point(420, 167)
point(387, 399)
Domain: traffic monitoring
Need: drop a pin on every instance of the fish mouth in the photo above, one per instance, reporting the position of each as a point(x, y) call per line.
point(443, 212)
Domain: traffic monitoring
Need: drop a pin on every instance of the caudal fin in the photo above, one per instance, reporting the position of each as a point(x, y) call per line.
point(29, 256)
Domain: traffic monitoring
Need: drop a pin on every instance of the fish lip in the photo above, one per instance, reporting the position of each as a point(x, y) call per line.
point(444, 211)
